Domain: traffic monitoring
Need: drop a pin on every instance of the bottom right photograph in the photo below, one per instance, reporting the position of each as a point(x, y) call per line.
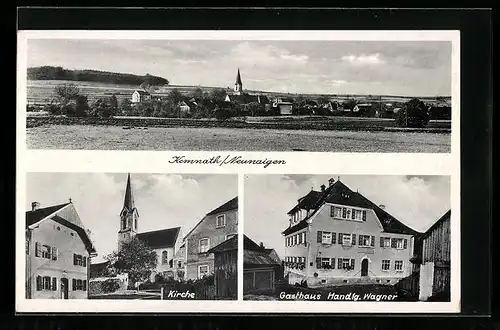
point(347, 237)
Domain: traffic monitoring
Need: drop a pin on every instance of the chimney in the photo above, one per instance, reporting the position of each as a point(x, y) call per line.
point(382, 206)
point(323, 187)
point(331, 181)
point(261, 245)
point(34, 206)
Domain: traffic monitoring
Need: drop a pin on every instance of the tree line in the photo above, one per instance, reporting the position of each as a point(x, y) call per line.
point(59, 73)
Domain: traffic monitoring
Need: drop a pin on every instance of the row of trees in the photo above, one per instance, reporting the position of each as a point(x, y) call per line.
point(59, 73)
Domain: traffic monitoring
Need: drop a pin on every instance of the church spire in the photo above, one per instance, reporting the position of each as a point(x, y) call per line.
point(128, 202)
point(238, 85)
point(238, 78)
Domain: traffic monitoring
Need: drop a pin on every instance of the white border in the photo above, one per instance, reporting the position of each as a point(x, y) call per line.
point(298, 163)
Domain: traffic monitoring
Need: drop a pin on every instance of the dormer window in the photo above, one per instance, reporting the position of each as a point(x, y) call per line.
point(220, 221)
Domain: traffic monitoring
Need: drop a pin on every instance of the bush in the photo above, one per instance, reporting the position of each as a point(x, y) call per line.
point(413, 114)
point(110, 285)
point(52, 108)
point(222, 114)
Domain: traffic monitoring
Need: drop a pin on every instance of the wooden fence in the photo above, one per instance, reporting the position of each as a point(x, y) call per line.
point(410, 284)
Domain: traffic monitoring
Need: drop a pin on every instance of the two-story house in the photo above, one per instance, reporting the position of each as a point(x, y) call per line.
point(58, 252)
point(338, 236)
point(216, 226)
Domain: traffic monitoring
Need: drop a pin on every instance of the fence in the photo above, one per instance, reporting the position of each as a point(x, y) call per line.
point(410, 284)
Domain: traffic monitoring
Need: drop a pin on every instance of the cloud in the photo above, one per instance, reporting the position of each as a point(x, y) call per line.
point(267, 55)
point(363, 59)
point(415, 200)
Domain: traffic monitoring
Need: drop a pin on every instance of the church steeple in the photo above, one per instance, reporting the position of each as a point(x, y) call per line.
point(238, 85)
point(128, 215)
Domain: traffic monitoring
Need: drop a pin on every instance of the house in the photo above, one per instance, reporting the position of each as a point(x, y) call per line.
point(242, 99)
point(58, 252)
point(140, 96)
point(440, 110)
point(214, 228)
point(432, 261)
point(283, 106)
point(226, 268)
point(332, 106)
point(336, 235)
point(363, 108)
point(262, 267)
point(164, 242)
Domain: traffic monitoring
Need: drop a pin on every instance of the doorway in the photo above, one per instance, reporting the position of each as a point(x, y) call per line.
point(64, 288)
point(364, 267)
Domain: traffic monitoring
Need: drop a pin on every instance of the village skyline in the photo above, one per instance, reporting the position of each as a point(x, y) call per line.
point(402, 68)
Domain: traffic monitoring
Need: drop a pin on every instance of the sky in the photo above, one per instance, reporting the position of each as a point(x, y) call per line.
point(163, 200)
point(403, 68)
point(416, 201)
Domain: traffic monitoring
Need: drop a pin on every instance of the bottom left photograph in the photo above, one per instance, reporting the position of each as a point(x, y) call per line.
point(131, 236)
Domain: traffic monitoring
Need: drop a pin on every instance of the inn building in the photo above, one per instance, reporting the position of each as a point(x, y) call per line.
point(336, 235)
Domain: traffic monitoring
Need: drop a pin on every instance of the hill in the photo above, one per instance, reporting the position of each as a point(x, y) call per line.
point(59, 73)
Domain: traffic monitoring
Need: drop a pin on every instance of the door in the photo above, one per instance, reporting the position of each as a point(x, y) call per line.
point(364, 267)
point(64, 288)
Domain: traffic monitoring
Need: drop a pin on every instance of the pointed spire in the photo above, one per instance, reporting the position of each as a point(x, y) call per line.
point(129, 198)
point(238, 78)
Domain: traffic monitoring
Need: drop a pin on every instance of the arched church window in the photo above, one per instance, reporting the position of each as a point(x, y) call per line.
point(171, 263)
point(135, 223)
point(124, 223)
point(164, 257)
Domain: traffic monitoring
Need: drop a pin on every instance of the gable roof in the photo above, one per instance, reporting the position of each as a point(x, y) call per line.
point(339, 193)
point(247, 98)
point(445, 216)
point(227, 206)
point(33, 217)
point(160, 238)
point(238, 78)
point(256, 256)
point(306, 202)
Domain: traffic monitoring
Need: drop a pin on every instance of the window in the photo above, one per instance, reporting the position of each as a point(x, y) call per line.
point(326, 237)
point(325, 262)
point(204, 245)
point(303, 237)
point(386, 265)
point(46, 283)
point(179, 264)
point(398, 265)
point(202, 271)
point(220, 221)
point(79, 285)
point(336, 212)
point(346, 263)
point(385, 242)
point(366, 240)
point(46, 252)
point(346, 239)
point(357, 215)
point(294, 240)
point(79, 260)
point(164, 257)
point(397, 243)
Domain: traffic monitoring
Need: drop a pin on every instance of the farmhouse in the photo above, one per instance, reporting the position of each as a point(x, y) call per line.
point(261, 267)
point(140, 96)
point(336, 235)
point(216, 227)
point(58, 252)
point(165, 242)
point(283, 106)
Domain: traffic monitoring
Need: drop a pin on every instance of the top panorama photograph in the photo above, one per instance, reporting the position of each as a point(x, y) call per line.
point(239, 95)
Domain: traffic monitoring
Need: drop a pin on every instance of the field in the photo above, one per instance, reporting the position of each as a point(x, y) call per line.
point(93, 137)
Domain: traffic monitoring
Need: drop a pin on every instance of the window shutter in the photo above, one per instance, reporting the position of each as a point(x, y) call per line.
point(364, 215)
point(332, 211)
point(74, 284)
point(360, 240)
point(319, 236)
point(74, 258)
point(333, 263)
point(304, 238)
point(344, 212)
point(84, 262)
point(340, 238)
point(38, 282)
point(54, 284)
point(372, 241)
point(393, 243)
point(405, 243)
point(353, 239)
point(353, 214)
point(318, 263)
point(37, 249)
point(84, 282)
point(382, 241)
point(339, 263)
point(352, 263)
point(53, 252)
point(334, 238)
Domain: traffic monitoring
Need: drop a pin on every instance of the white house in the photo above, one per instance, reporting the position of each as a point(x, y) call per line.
point(140, 96)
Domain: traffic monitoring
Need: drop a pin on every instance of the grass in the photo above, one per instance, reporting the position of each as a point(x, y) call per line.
point(87, 137)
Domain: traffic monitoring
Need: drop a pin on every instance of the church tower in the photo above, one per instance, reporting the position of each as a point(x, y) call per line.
point(238, 85)
point(128, 216)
